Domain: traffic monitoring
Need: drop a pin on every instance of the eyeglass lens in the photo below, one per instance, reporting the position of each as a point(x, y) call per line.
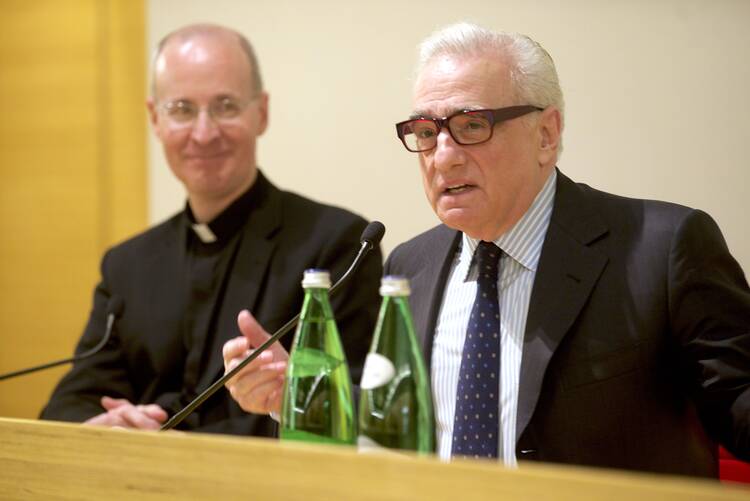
point(466, 128)
point(184, 112)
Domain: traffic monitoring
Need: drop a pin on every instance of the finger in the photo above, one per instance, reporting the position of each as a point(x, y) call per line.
point(154, 411)
point(105, 419)
point(261, 360)
point(234, 348)
point(251, 329)
point(137, 419)
point(256, 335)
point(110, 403)
point(231, 363)
point(251, 367)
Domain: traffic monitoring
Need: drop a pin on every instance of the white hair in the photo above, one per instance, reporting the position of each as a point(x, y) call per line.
point(533, 75)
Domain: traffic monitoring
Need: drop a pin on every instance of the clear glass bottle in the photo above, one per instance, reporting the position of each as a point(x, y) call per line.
point(395, 404)
point(318, 404)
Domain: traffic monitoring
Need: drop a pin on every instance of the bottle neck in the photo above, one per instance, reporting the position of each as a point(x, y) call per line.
point(395, 329)
point(316, 304)
point(395, 301)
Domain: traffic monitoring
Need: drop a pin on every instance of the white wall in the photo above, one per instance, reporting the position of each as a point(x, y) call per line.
point(657, 96)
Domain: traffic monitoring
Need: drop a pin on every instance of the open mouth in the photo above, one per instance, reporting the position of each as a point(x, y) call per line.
point(459, 188)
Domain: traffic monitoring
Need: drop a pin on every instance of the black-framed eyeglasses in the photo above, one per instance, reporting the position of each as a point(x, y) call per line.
point(465, 127)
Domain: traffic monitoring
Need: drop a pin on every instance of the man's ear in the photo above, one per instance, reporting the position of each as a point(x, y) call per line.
point(153, 115)
point(550, 130)
point(263, 112)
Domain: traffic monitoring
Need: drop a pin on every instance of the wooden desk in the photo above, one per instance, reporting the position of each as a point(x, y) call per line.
point(45, 460)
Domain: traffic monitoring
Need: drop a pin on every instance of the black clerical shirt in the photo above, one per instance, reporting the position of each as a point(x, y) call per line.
point(210, 252)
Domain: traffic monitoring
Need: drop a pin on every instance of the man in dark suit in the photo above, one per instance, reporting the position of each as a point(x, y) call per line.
point(623, 333)
point(240, 243)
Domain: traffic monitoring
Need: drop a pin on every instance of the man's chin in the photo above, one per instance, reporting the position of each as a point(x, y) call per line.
point(457, 218)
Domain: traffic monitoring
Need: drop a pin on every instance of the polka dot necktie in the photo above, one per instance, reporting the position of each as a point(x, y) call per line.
point(476, 423)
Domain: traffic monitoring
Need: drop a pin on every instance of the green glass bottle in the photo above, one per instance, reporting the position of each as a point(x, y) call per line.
point(395, 403)
point(317, 404)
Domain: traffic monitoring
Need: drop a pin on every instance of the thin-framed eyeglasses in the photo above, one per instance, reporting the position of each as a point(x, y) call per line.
point(183, 113)
point(465, 127)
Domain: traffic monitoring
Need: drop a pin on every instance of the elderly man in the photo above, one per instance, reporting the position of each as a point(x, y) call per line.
point(562, 323)
point(239, 243)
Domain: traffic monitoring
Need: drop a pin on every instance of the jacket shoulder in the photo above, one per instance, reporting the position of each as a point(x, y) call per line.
point(411, 254)
point(149, 239)
point(304, 216)
point(581, 209)
point(307, 209)
point(611, 205)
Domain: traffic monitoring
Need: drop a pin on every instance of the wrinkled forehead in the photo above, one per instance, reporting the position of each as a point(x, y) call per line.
point(449, 83)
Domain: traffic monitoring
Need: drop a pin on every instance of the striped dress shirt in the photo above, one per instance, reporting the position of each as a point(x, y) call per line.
point(522, 246)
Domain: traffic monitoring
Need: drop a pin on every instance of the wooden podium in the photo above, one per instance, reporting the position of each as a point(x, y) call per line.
point(46, 460)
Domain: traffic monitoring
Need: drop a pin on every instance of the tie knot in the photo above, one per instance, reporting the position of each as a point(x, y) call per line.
point(487, 257)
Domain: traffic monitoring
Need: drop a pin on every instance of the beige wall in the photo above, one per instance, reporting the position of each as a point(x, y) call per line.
point(656, 90)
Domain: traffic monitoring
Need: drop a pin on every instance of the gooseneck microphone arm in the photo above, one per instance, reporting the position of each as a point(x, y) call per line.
point(371, 237)
point(114, 310)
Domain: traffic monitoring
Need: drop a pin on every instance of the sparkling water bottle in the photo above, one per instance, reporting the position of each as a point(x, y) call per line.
point(395, 405)
point(317, 404)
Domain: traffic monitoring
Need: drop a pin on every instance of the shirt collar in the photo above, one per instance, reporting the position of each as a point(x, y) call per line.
point(224, 226)
point(523, 242)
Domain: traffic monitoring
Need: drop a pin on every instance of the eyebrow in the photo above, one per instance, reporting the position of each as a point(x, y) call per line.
point(214, 99)
point(424, 114)
point(225, 96)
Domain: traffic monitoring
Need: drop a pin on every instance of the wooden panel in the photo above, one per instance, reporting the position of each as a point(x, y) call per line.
point(123, 147)
point(44, 460)
point(73, 172)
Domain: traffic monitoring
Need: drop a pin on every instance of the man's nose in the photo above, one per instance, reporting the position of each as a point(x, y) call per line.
point(448, 153)
point(205, 129)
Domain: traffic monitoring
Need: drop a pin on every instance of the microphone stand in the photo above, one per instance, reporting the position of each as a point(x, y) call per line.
point(365, 247)
point(114, 309)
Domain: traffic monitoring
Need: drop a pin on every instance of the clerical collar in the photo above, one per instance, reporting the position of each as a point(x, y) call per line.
point(230, 220)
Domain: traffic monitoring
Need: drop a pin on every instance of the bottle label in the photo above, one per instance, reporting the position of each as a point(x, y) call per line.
point(378, 371)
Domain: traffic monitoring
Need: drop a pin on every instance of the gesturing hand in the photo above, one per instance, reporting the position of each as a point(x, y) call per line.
point(258, 386)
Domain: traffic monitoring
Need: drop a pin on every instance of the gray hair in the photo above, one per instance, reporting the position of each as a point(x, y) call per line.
point(533, 75)
point(188, 32)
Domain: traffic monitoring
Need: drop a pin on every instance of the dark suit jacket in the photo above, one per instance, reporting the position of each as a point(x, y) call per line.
point(284, 236)
point(637, 346)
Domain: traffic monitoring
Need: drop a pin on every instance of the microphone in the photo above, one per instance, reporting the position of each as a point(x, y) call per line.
point(115, 305)
point(371, 237)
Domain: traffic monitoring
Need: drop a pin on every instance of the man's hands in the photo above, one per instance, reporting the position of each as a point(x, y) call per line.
point(258, 387)
point(121, 413)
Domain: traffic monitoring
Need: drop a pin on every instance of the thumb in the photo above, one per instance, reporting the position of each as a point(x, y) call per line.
point(256, 335)
point(110, 403)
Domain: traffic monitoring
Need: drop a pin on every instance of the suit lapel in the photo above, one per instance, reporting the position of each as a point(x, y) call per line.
point(429, 284)
point(251, 264)
point(161, 280)
point(567, 273)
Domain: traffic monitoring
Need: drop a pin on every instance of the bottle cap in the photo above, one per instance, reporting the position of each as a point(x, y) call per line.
point(316, 279)
point(392, 285)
